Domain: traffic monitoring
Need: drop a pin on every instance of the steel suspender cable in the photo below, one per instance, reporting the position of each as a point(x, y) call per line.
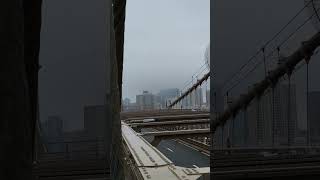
point(289, 110)
point(258, 63)
point(267, 43)
point(308, 122)
point(316, 11)
point(264, 62)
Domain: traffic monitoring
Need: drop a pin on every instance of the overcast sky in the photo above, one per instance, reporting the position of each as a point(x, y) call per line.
point(165, 43)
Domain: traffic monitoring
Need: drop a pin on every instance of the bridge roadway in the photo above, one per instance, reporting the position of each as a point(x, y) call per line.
point(177, 152)
point(168, 117)
point(168, 123)
point(178, 149)
point(177, 133)
point(152, 164)
point(167, 112)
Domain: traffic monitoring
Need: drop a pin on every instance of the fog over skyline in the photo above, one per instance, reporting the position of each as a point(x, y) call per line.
point(165, 42)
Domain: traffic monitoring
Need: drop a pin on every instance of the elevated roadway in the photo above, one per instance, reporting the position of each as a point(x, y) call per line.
point(150, 163)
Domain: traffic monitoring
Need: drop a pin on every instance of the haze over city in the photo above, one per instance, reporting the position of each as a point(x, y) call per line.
point(163, 50)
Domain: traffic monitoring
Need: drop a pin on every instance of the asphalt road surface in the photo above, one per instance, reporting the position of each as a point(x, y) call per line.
point(182, 155)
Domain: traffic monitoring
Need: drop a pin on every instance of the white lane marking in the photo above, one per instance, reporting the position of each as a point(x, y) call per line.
point(206, 154)
point(169, 149)
point(184, 144)
point(195, 166)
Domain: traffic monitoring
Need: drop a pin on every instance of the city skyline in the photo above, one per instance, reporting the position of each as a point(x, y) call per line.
point(179, 40)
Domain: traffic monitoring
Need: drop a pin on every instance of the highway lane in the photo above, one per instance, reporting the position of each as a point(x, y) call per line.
point(183, 155)
point(180, 154)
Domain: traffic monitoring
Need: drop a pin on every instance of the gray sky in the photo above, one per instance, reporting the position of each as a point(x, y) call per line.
point(165, 43)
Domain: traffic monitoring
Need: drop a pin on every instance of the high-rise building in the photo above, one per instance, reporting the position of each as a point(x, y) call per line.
point(185, 103)
point(313, 116)
point(125, 104)
point(166, 94)
point(126, 101)
point(145, 101)
point(157, 102)
point(208, 99)
point(198, 98)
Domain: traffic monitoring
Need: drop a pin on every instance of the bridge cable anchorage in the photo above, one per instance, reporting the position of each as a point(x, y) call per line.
point(291, 61)
point(266, 44)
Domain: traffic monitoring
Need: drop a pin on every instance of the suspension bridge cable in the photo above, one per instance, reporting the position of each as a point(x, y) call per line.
point(191, 82)
point(314, 8)
point(188, 81)
point(192, 79)
point(265, 45)
point(284, 41)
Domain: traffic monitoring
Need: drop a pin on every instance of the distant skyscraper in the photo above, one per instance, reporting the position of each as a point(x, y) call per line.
point(208, 98)
point(198, 98)
point(166, 94)
point(185, 103)
point(146, 101)
point(125, 104)
point(126, 101)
